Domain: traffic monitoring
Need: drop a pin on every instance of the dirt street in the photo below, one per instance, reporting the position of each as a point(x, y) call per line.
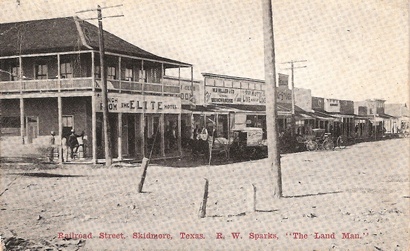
point(351, 199)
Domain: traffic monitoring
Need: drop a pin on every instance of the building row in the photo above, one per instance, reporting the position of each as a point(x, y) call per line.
point(50, 80)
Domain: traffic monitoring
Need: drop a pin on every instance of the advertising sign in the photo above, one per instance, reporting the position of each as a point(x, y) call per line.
point(226, 95)
point(125, 103)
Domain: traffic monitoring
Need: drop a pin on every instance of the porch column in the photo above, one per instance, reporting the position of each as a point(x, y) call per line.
point(179, 134)
point(60, 128)
point(162, 130)
point(162, 79)
point(93, 70)
point(120, 136)
point(94, 127)
point(137, 134)
point(142, 130)
point(22, 119)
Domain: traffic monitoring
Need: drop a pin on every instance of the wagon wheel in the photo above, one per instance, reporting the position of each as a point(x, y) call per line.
point(311, 145)
point(328, 145)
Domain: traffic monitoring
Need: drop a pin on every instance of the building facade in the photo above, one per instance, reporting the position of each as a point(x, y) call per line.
point(50, 80)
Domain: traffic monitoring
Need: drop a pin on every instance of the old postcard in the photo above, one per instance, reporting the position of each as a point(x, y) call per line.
point(204, 125)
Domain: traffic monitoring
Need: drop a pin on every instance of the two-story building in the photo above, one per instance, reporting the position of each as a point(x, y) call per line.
point(50, 80)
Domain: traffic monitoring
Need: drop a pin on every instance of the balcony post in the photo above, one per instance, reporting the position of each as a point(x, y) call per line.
point(21, 74)
point(162, 79)
point(119, 73)
point(143, 76)
point(93, 70)
point(58, 72)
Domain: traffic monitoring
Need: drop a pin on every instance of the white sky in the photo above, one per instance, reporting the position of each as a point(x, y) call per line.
point(355, 49)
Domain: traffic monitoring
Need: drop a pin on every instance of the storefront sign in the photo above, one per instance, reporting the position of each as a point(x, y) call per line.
point(125, 103)
point(226, 95)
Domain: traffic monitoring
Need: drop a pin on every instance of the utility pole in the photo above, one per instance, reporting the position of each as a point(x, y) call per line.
point(292, 67)
point(104, 92)
point(271, 110)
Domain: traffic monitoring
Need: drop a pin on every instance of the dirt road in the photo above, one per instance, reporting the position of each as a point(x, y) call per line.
point(356, 198)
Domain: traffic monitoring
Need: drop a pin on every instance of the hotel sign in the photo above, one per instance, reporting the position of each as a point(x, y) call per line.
point(125, 103)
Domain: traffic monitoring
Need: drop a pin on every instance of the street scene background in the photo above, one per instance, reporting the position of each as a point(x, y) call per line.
point(361, 190)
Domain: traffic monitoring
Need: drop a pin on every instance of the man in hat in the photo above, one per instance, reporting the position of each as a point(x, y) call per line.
point(73, 143)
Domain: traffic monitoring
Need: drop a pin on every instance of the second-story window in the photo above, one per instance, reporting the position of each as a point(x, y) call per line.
point(41, 71)
point(128, 74)
point(66, 70)
point(97, 71)
point(14, 73)
point(111, 72)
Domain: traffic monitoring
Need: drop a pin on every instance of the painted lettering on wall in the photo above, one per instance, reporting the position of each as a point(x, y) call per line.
point(139, 104)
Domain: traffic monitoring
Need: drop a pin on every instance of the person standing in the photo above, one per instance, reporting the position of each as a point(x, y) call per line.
point(52, 146)
point(73, 143)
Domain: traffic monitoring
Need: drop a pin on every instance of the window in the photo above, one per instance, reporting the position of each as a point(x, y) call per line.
point(66, 70)
point(111, 72)
point(15, 73)
point(97, 71)
point(128, 74)
point(68, 124)
point(143, 76)
point(41, 71)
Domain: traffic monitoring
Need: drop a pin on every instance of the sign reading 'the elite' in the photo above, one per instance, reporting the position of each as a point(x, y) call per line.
point(122, 103)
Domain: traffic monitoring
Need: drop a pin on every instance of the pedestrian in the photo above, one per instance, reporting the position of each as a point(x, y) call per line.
point(73, 143)
point(52, 146)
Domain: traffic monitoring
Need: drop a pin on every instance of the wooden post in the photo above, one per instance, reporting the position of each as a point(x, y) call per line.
point(179, 134)
point(144, 165)
point(94, 127)
point(119, 136)
point(60, 128)
point(162, 130)
point(142, 129)
point(251, 199)
point(271, 111)
point(106, 124)
point(22, 119)
point(202, 209)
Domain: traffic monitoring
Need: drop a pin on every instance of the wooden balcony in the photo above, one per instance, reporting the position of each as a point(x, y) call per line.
point(78, 84)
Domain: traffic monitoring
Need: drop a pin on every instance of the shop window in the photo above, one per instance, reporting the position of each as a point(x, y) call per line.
point(10, 126)
point(41, 71)
point(66, 70)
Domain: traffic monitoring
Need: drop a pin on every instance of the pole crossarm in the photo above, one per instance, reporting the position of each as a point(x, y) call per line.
point(100, 8)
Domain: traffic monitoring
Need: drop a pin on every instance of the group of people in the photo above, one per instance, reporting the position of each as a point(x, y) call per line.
point(70, 143)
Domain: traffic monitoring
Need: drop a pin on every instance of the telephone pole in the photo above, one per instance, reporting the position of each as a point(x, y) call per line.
point(271, 110)
point(292, 67)
point(104, 91)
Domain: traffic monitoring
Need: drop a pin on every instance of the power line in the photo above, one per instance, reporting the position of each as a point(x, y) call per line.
point(292, 68)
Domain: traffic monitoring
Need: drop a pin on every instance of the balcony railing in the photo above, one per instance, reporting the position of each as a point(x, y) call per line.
point(51, 85)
